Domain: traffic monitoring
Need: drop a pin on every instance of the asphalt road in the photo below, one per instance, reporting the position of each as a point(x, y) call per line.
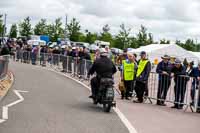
point(54, 104)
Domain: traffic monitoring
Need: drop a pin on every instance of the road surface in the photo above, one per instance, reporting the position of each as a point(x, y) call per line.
point(54, 104)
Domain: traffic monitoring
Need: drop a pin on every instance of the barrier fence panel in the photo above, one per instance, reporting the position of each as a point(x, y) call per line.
point(4, 61)
point(179, 90)
point(196, 97)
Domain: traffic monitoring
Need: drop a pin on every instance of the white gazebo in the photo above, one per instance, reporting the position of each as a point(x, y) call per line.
point(156, 51)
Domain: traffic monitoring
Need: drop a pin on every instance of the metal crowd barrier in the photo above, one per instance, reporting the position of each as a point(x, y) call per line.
point(74, 65)
point(4, 60)
point(180, 90)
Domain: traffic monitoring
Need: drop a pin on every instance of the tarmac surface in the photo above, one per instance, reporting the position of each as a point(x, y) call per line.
point(54, 104)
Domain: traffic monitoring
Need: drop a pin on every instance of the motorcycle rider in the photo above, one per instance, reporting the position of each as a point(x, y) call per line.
point(104, 68)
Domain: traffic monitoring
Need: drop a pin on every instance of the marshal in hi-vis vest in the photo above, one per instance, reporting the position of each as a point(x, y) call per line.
point(128, 70)
point(141, 66)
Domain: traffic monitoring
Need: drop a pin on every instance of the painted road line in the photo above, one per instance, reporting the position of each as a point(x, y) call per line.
point(5, 113)
point(20, 98)
point(2, 120)
point(118, 112)
point(5, 108)
point(125, 121)
point(22, 91)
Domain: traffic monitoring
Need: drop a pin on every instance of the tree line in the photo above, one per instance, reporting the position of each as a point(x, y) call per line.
point(74, 32)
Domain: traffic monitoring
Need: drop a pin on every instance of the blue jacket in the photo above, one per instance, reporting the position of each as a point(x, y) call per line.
point(195, 72)
point(162, 66)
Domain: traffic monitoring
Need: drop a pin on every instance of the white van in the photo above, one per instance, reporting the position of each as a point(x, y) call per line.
point(101, 44)
point(81, 44)
point(36, 43)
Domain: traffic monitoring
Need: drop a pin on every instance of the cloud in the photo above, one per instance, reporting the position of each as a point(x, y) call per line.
point(165, 19)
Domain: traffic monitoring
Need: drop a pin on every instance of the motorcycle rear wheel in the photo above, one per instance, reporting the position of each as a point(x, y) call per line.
point(106, 107)
point(95, 102)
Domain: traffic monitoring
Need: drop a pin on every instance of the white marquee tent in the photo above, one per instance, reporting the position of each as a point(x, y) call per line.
point(155, 51)
point(196, 54)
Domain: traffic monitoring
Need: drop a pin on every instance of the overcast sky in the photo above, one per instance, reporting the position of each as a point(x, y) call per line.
point(171, 19)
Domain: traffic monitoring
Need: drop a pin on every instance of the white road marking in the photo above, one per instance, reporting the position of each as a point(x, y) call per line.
point(5, 108)
point(5, 113)
point(125, 121)
point(22, 91)
point(118, 112)
point(2, 120)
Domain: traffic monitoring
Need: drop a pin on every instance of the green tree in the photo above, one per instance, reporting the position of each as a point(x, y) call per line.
point(106, 28)
point(106, 35)
point(13, 31)
point(55, 30)
point(150, 38)
point(178, 42)
point(50, 32)
point(134, 42)
point(25, 27)
point(189, 45)
point(90, 37)
point(59, 31)
point(82, 37)
point(197, 48)
point(1, 25)
point(74, 30)
point(164, 41)
point(122, 39)
point(41, 27)
point(142, 36)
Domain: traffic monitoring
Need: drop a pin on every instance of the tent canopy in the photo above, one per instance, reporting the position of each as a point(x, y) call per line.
point(156, 51)
point(196, 54)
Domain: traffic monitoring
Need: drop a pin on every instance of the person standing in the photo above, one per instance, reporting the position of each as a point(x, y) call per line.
point(25, 54)
point(73, 60)
point(34, 54)
point(64, 59)
point(43, 55)
point(19, 52)
point(195, 85)
point(128, 75)
point(56, 54)
point(142, 75)
point(164, 70)
point(29, 49)
point(13, 50)
point(87, 60)
point(180, 79)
